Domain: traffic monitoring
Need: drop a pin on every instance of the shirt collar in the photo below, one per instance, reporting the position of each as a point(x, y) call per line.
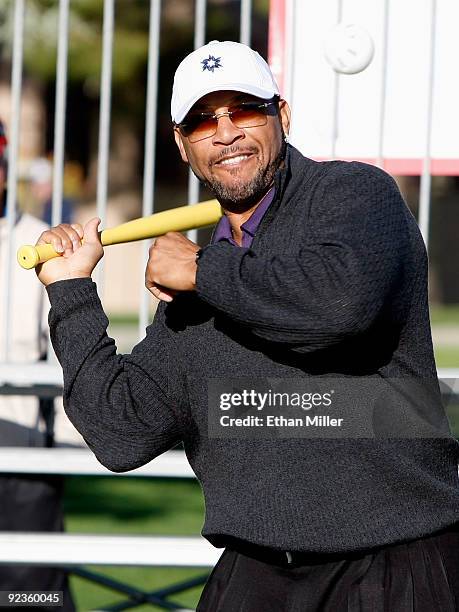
point(223, 229)
point(252, 223)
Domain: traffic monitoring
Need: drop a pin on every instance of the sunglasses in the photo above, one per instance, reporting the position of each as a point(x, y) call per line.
point(198, 126)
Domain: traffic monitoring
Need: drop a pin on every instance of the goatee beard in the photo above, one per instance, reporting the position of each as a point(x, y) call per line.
point(242, 196)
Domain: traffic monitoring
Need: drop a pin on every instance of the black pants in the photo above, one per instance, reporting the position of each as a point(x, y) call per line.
point(33, 503)
point(417, 576)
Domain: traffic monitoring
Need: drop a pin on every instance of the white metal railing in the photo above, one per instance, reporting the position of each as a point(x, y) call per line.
point(104, 124)
point(79, 549)
point(426, 177)
point(199, 40)
point(150, 145)
point(61, 105)
point(82, 462)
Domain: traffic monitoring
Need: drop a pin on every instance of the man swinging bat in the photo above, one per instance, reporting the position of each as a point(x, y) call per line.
point(316, 271)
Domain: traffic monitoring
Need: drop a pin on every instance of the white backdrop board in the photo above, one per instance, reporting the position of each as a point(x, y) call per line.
point(402, 108)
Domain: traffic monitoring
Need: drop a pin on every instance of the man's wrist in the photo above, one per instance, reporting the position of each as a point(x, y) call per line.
point(69, 276)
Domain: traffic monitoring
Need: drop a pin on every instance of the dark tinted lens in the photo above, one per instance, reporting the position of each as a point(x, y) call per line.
point(249, 115)
point(198, 126)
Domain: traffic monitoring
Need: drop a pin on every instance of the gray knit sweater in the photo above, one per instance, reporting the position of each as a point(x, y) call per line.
point(335, 283)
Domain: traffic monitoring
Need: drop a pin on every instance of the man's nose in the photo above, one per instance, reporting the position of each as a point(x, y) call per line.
point(226, 132)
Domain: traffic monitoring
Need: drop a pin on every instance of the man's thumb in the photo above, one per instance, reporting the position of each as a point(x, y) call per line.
point(90, 232)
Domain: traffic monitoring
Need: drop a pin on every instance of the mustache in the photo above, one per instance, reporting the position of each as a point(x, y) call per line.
point(232, 150)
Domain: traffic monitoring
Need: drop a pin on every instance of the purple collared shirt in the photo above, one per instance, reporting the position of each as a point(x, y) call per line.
point(249, 228)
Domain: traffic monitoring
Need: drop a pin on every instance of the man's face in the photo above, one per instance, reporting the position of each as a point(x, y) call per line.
point(238, 164)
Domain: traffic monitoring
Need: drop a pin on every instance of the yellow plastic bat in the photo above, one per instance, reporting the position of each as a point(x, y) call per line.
point(175, 220)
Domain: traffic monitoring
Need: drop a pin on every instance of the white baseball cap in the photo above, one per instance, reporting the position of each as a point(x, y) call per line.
point(218, 66)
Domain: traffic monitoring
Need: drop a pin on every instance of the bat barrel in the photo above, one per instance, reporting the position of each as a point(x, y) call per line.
point(175, 220)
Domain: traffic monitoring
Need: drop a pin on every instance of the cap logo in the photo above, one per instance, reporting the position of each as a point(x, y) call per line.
point(211, 63)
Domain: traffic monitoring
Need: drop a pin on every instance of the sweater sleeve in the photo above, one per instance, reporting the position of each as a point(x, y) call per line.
point(125, 406)
point(331, 286)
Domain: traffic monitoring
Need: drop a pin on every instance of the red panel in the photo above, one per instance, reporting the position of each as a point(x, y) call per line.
point(276, 40)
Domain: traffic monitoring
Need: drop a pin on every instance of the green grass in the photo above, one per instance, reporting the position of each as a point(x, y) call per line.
point(447, 356)
point(445, 315)
point(90, 596)
point(133, 506)
point(127, 318)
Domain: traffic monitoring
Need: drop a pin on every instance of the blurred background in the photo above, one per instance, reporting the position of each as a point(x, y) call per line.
point(137, 505)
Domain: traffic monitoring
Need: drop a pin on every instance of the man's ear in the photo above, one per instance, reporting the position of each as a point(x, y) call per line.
point(284, 115)
point(179, 143)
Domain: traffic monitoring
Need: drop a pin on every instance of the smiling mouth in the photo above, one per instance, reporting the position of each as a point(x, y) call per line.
point(234, 160)
point(233, 157)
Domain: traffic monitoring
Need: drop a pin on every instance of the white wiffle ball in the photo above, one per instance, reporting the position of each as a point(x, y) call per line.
point(348, 48)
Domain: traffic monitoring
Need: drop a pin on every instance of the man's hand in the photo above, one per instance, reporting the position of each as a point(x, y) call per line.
point(78, 260)
point(171, 266)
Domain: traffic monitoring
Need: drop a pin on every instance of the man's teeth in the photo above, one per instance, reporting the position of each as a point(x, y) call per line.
point(233, 160)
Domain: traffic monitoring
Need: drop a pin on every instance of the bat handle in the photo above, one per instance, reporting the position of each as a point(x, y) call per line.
point(30, 256)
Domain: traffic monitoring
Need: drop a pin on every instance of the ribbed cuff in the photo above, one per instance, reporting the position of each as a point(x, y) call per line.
point(70, 292)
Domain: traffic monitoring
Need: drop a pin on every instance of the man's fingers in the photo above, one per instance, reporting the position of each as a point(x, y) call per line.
point(78, 228)
point(91, 234)
point(64, 238)
point(161, 293)
point(50, 237)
